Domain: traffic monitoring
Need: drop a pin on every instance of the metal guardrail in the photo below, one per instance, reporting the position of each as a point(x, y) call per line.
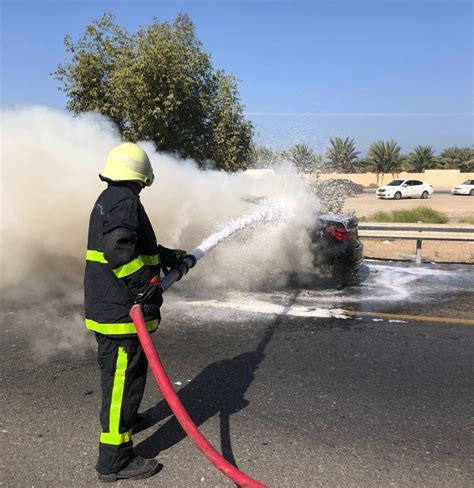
point(418, 232)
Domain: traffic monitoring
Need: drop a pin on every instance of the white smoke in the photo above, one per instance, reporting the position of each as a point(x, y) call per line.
point(50, 163)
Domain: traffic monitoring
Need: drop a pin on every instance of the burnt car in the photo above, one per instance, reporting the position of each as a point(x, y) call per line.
point(337, 249)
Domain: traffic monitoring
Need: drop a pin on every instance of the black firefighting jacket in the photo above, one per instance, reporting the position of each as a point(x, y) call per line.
point(122, 257)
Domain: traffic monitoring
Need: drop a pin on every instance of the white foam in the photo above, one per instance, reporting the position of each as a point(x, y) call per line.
point(264, 307)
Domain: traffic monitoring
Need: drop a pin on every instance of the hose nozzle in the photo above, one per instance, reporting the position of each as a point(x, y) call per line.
point(177, 273)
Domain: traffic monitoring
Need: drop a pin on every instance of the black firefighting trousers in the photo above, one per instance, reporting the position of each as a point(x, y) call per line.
point(123, 368)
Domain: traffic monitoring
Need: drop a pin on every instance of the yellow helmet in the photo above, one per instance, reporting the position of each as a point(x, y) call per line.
point(128, 162)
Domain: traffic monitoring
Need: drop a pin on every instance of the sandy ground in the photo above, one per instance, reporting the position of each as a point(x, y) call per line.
point(456, 207)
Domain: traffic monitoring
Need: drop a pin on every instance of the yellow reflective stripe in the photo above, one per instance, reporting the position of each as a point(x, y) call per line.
point(129, 268)
point(152, 260)
point(119, 328)
point(115, 439)
point(114, 436)
point(95, 256)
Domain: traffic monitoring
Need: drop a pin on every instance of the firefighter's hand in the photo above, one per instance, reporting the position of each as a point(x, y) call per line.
point(152, 306)
point(171, 258)
point(150, 297)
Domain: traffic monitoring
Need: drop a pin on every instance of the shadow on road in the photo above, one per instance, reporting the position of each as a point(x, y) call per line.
point(218, 389)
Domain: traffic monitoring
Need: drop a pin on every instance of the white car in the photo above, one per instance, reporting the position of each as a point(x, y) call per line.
point(467, 188)
point(397, 189)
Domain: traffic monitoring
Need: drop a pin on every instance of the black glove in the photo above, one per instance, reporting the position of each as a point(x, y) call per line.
point(170, 258)
point(151, 308)
point(150, 298)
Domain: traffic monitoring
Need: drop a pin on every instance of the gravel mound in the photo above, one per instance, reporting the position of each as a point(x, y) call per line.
point(333, 193)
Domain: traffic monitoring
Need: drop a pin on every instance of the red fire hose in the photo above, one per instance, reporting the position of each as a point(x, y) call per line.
point(180, 413)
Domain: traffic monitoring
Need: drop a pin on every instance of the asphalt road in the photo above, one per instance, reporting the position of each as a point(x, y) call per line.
point(286, 390)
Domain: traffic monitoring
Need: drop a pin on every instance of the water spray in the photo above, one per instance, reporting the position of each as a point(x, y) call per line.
point(267, 212)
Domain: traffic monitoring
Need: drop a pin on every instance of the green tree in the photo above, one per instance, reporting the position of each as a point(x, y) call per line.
point(304, 158)
point(421, 158)
point(461, 158)
point(384, 157)
point(231, 136)
point(158, 84)
point(343, 155)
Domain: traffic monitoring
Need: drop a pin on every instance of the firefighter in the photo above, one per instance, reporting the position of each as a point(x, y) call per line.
point(122, 257)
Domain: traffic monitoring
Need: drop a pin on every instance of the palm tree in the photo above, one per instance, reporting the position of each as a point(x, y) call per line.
point(263, 157)
point(303, 157)
point(422, 158)
point(343, 154)
point(461, 158)
point(384, 157)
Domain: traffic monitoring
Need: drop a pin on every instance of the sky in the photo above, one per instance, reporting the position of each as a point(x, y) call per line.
point(308, 70)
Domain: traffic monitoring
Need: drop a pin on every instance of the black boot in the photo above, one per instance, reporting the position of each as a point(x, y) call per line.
point(139, 468)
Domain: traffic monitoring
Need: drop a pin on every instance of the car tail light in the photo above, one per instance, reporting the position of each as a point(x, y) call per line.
point(340, 233)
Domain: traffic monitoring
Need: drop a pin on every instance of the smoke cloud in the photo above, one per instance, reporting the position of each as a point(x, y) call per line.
point(50, 163)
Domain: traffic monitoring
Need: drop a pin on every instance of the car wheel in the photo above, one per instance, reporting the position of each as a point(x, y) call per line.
point(424, 195)
point(471, 193)
point(397, 196)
